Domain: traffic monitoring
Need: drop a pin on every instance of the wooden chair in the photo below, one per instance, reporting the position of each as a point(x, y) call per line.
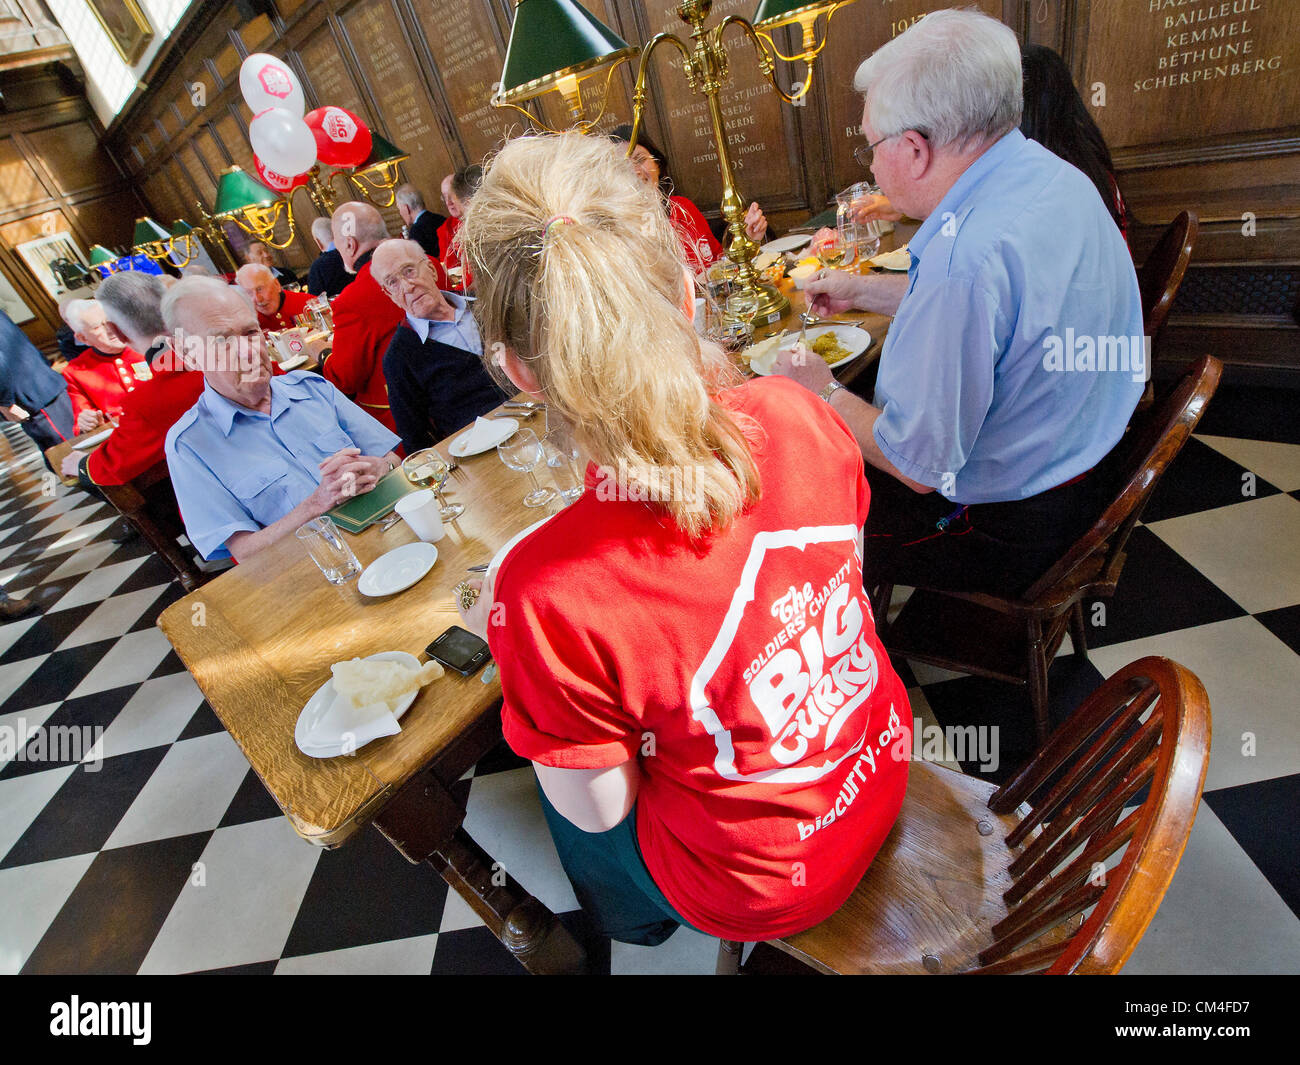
point(979, 879)
point(1014, 639)
point(149, 504)
point(1159, 279)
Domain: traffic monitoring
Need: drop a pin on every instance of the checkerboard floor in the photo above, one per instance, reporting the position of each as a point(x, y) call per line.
point(160, 852)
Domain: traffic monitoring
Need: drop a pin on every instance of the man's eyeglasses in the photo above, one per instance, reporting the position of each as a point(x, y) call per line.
point(865, 153)
point(409, 272)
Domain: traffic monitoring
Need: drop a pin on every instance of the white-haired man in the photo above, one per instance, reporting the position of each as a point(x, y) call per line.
point(980, 443)
point(106, 370)
point(276, 306)
point(258, 455)
point(327, 275)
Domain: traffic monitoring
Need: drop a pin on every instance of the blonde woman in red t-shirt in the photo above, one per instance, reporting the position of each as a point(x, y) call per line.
point(687, 654)
point(700, 248)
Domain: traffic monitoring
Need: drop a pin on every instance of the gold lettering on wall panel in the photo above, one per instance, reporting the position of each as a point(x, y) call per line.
point(1174, 69)
point(856, 32)
point(399, 92)
point(463, 42)
point(329, 75)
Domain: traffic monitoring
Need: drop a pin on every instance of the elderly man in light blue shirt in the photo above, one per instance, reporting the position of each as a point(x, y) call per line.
point(1017, 354)
point(258, 455)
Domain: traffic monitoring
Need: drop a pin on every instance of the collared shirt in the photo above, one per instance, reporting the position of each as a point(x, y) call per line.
point(240, 470)
point(460, 331)
point(986, 388)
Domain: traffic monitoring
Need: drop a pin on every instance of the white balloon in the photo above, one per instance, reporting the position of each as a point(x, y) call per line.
point(269, 82)
point(283, 141)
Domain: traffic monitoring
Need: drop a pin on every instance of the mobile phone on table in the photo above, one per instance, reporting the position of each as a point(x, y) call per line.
point(459, 649)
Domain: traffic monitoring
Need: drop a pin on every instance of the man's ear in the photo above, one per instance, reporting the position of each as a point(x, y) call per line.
point(80, 339)
point(922, 155)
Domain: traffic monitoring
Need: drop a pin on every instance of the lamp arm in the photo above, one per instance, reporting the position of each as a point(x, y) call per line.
point(188, 257)
point(765, 48)
point(639, 92)
point(589, 124)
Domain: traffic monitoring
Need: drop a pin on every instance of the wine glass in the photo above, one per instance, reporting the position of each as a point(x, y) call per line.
point(831, 250)
point(522, 451)
point(428, 469)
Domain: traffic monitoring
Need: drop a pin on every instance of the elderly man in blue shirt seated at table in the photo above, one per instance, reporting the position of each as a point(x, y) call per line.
point(258, 455)
point(1016, 356)
point(437, 383)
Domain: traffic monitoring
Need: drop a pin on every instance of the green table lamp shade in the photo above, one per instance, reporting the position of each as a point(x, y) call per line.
point(553, 39)
point(101, 256)
point(236, 190)
point(147, 231)
point(181, 228)
point(382, 151)
point(774, 13)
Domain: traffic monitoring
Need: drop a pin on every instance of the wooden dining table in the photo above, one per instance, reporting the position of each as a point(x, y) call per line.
point(260, 639)
point(56, 454)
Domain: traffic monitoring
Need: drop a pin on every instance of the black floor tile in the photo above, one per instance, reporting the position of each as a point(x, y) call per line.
point(256, 968)
point(203, 723)
point(53, 745)
point(1257, 412)
point(152, 572)
point(1159, 591)
point(50, 630)
point(365, 892)
point(1200, 478)
point(170, 664)
point(58, 676)
point(498, 760)
point(84, 812)
point(1284, 624)
point(1262, 818)
point(473, 952)
point(117, 909)
point(252, 802)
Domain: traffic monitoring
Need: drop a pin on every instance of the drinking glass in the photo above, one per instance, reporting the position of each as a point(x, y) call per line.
point(325, 544)
point(522, 451)
point(562, 452)
point(428, 469)
point(831, 250)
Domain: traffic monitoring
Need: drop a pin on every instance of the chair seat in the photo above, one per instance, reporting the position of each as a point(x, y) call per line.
point(934, 889)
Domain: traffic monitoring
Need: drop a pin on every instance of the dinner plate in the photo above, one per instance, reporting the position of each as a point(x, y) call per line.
point(784, 244)
point(460, 449)
point(91, 441)
point(900, 259)
point(319, 704)
point(293, 362)
point(396, 570)
point(850, 336)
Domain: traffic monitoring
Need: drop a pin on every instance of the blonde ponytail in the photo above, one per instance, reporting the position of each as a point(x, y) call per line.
point(579, 273)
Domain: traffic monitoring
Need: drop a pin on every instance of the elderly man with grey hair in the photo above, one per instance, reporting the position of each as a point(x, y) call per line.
point(276, 307)
point(257, 455)
point(421, 223)
point(327, 275)
point(982, 437)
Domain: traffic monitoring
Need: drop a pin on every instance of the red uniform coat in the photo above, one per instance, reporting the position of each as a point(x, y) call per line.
point(292, 304)
point(450, 252)
point(148, 412)
point(101, 382)
point(365, 320)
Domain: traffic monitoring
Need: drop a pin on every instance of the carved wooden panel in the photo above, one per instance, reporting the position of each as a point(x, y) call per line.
point(73, 156)
point(328, 74)
point(19, 185)
point(232, 135)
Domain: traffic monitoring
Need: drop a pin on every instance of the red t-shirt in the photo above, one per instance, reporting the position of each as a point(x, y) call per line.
point(699, 245)
point(745, 676)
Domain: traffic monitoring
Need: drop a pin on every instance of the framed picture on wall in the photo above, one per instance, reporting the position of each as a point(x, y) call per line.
point(126, 26)
point(57, 262)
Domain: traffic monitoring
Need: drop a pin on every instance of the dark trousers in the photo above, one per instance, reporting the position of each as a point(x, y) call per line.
point(610, 879)
point(51, 425)
point(928, 540)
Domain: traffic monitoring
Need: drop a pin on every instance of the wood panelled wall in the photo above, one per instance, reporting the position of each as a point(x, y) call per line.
point(1198, 105)
point(55, 176)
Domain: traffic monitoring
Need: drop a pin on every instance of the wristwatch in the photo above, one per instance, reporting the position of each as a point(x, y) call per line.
point(831, 388)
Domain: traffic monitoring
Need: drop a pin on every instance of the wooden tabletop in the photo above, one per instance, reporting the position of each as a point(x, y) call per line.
point(260, 639)
point(62, 450)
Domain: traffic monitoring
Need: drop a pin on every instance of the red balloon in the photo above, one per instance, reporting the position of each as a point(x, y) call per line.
point(276, 181)
point(342, 139)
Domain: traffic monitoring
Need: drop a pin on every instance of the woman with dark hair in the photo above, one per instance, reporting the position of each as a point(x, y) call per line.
point(1056, 117)
point(699, 245)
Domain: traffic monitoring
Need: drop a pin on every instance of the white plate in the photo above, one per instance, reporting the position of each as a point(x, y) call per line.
point(396, 570)
point(293, 362)
point(324, 698)
point(899, 259)
point(784, 244)
point(506, 427)
point(91, 441)
point(851, 336)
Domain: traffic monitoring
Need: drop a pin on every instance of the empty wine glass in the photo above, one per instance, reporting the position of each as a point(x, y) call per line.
point(428, 469)
point(561, 453)
point(522, 451)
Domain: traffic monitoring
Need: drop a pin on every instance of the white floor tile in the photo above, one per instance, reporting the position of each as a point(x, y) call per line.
point(686, 952)
point(17, 724)
point(398, 957)
point(33, 896)
point(1247, 549)
point(457, 914)
point(1278, 464)
point(1251, 678)
point(67, 517)
point(156, 714)
point(13, 674)
point(188, 792)
point(98, 584)
point(1220, 914)
point(129, 661)
point(113, 617)
point(256, 875)
point(83, 561)
point(505, 817)
point(22, 798)
point(12, 631)
point(76, 538)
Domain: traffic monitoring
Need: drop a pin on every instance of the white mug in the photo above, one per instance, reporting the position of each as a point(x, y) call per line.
point(422, 512)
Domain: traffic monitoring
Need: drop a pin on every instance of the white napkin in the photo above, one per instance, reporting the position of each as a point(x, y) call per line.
point(483, 431)
point(342, 720)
